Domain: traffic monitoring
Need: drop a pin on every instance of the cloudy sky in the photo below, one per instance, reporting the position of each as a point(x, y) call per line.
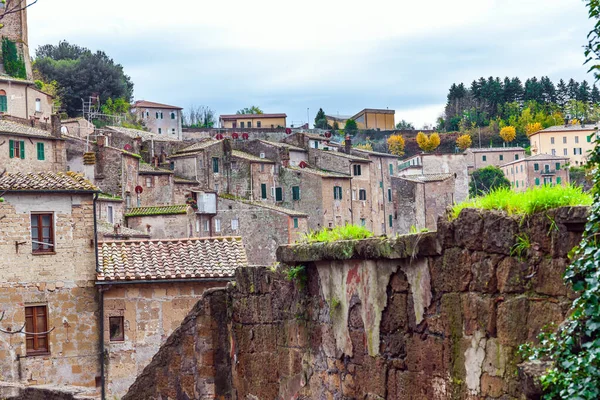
point(343, 56)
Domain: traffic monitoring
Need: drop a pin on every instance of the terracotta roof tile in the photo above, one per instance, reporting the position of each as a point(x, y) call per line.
point(320, 172)
point(250, 157)
point(252, 116)
point(46, 181)
point(145, 136)
point(165, 259)
point(156, 210)
point(284, 145)
point(151, 104)
point(13, 128)
point(147, 169)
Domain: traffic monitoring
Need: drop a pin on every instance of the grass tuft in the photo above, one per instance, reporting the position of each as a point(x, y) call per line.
point(346, 232)
point(529, 202)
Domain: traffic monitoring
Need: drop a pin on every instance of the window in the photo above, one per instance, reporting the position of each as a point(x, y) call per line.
point(217, 225)
point(576, 139)
point(551, 140)
point(381, 184)
point(263, 190)
point(216, 187)
point(157, 115)
point(295, 222)
point(242, 124)
point(172, 115)
point(565, 152)
point(391, 221)
point(557, 166)
point(589, 139)
point(149, 181)
point(553, 152)
point(548, 180)
point(295, 192)
point(16, 149)
point(206, 226)
point(41, 154)
point(389, 194)
point(110, 214)
point(517, 183)
point(337, 192)
point(159, 130)
point(36, 321)
point(116, 329)
point(391, 169)
point(516, 156)
point(315, 144)
point(161, 115)
point(249, 124)
point(501, 157)
point(362, 194)
point(128, 200)
point(576, 151)
point(173, 131)
point(42, 233)
point(483, 158)
point(3, 102)
point(38, 105)
point(235, 224)
point(536, 167)
point(278, 194)
point(356, 170)
point(564, 139)
point(537, 181)
point(353, 194)
point(558, 180)
point(258, 124)
point(215, 162)
point(521, 167)
point(363, 222)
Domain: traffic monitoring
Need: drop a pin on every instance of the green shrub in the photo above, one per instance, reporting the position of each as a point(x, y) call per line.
point(13, 62)
point(346, 232)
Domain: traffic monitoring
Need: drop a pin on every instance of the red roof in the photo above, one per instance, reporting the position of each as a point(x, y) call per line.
point(252, 116)
point(151, 104)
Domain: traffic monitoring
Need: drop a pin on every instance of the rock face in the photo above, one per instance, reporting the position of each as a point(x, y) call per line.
point(428, 316)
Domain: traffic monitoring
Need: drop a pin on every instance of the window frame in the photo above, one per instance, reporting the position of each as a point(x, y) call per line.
point(278, 194)
point(110, 214)
point(295, 223)
point(235, 224)
point(356, 170)
point(121, 338)
point(263, 191)
point(217, 225)
point(362, 193)
point(215, 165)
point(295, 193)
point(34, 349)
point(149, 182)
point(40, 236)
point(337, 193)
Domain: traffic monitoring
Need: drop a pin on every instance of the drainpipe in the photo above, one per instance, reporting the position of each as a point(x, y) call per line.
point(385, 221)
point(101, 316)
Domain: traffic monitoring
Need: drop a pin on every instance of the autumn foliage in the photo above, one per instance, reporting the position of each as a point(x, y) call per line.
point(396, 145)
point(428, 143)
point(508, 133)
point(532, 128)
point(464, 142)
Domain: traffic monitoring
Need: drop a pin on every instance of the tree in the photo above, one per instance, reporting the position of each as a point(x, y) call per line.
point(486, 179)
point(508, 133)
point(89, 74)
point(396, 144)
point(533, 127)
point(428, 143)
point(250, 110)
point(404, 125)
point(364, 146)
point(321, 120)
point(350, 127)
point(463, 142)
point(336, 126)
point(117, 107)
point(199, 117)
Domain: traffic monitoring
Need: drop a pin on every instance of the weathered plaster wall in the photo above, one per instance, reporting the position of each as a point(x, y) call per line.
point(159, 193)
point(55, 159)
point(438, 315)
point(165, 226)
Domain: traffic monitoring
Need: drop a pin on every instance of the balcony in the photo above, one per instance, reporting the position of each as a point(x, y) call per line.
point(548, 172)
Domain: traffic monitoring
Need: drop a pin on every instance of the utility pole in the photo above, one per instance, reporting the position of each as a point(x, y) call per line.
point(307, 119)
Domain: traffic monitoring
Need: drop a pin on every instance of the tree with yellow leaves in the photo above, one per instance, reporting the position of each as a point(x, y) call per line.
point(428, 143)
point(396, 145)
point(463, 142)
point(508, 133)
point(533, 127)
point(364, 146)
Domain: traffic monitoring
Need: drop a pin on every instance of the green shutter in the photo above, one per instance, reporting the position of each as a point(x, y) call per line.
point(22, 149)
point(391, 222)
point(3, 104)
point(558, 180)
point(589, 139)
point(391, 169)
point(295, 222)
point(389, 194)
point(40, 152)
point(537, 181)
point(215, 161)
point(11, 149)
point(263, 191)
point(381, 184)
point(278, 194)
point(536, 167)
point(295, 192)
point(558, 166)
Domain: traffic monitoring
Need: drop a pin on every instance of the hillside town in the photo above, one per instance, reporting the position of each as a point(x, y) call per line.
point(140, 260)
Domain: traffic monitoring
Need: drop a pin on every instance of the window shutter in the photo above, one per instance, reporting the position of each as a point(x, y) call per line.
point(11, 148)
point(558, 180)
point(3, 104)
point(22, 149)
point(391, 169)
point(263, 191)
point(41, 153)
point(278, 194)
point(295, 192)
point(557, 166)
point(537, 181)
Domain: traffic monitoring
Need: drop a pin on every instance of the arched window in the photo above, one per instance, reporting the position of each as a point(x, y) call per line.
point(3, 102)
point(172, 115)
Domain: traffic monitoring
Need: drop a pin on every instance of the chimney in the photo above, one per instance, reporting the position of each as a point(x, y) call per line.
point(55, 124)
point(284, 155)
point(101, 140)
point(155, 161)
point(347, 144)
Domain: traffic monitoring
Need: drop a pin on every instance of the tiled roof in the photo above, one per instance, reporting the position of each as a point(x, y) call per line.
point(290, 212)
point(344, 155)
point(281, 144)
point(538, 157)
point(151, 104)
point(109, 197)
point(165, 259)
point(145, 136)
point(46, 181)
point(198, 146)
point(107, 229)
point(13, 128)
point(151, 170)
point(252, 116)
point(179, 179)
point(320, 172)
point(490, 149)
point(569, 128)
point(250, 157)
point(375, 153)
point(156, 210)
point(427, 177)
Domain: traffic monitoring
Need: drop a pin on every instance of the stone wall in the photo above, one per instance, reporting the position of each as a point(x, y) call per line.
point(437, 315)
point(54, 155)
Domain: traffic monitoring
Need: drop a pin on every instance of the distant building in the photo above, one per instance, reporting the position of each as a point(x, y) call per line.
point(496, 156)
point(541, 169)
point(249, 121)
point(161, 119)
point(368, 118)
point(572, 141)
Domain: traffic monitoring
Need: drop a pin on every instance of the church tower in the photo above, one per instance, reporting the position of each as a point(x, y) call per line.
point(14, 28)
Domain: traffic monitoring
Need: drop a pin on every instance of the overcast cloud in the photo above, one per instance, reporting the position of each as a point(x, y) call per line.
point(342, 56)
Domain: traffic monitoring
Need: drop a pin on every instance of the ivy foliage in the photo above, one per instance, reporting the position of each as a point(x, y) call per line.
point(574, 349)
point(13, 62)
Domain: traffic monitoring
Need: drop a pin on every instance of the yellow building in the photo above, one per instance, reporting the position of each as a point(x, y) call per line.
point(369, 118)
point(572, 141)
point(245, 121)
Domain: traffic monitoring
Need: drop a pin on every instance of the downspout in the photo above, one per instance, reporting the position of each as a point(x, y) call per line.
point(101, 316)
point(351, 202)
point(385, 221)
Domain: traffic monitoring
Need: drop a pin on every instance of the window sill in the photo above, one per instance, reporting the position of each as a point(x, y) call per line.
point(44, 354)
point(44, 253)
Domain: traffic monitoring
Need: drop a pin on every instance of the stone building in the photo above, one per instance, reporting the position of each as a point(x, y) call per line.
point(110, 209)
point(574, 141)
point(14, 28)
point(280, 152)
point(164, 222)
point(77, 127)
point(49, 310)
point(161, 119)
point(541, 169)
point(145, 300)
point(157, 186)
point(28, 149)
point(22, 99)
point(496, 156)
point(419, 200)
point(251, 121)
point(368, 118)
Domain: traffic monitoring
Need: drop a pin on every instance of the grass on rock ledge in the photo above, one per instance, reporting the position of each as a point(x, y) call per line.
point(529, 202)
point(346, 232)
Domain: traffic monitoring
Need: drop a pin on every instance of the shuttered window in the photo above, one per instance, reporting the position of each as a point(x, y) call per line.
point(295, 222)
point(3, 104)
point(16, 149)
point(263, 191)
point(215, 162)
point(295, 192)
point(390, 195)
point(278, 194)
point(40, 152)
point(36, 324)
point(337, 193)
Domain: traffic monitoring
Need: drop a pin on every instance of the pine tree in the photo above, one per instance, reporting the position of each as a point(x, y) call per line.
point(583, 94)
point(595, 95)
point(562, 93)
point(320, 120)
point(572, 89)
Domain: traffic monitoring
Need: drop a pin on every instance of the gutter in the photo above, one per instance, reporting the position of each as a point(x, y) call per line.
point(180, 280)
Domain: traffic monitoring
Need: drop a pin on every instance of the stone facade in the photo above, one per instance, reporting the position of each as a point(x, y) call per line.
point(116, 173)
point(54, 154)
point(427, 316)
point(496, 156)
point(24, 100)
point(157, 188)
point(166, 226)
point(62, 281)
point(15, 28)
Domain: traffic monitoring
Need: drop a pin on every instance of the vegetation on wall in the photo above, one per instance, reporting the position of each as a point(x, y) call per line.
point(14, 65)
point(346, 232)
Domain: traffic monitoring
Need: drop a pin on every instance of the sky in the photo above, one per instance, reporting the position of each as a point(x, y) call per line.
point(297, 56)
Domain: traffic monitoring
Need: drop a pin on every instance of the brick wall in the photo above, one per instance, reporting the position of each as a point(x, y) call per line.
point(54, 155)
